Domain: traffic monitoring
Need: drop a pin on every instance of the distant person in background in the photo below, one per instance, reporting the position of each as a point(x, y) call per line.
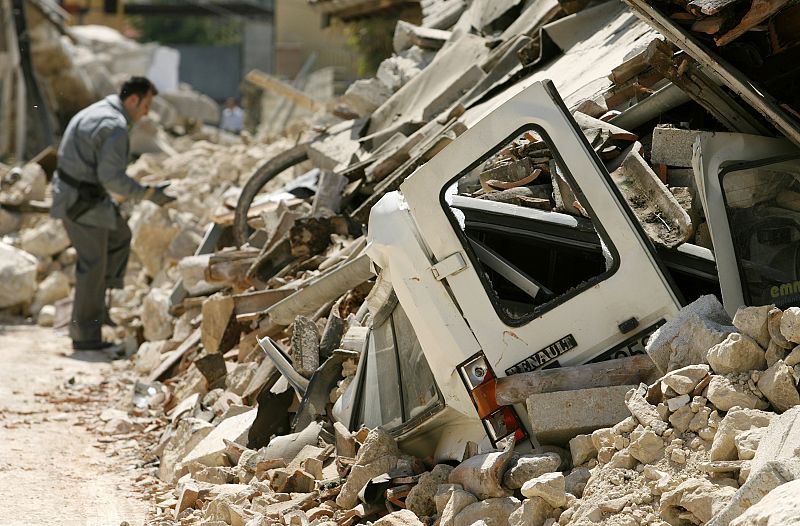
point(232, 117)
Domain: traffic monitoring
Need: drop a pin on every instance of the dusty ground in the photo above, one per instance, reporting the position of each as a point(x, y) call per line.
point(53, 470)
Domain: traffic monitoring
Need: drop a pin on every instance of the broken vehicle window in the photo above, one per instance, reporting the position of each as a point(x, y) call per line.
point(398, 384)
point(763, 204)
point(526, 228)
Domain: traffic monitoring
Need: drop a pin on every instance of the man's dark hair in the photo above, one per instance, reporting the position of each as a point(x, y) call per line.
point(140, 86)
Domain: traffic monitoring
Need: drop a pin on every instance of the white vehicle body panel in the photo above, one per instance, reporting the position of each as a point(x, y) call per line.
point(711, 153)
point(593, 319)
point(453, 316)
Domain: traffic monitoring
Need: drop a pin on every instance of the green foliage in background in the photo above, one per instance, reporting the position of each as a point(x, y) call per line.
point(210, 31)
point(371, 38)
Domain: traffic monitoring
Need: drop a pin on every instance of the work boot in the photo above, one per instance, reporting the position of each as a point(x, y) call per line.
point(109, 348)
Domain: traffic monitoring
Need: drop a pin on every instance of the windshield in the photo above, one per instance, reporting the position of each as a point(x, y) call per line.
point(762, 200)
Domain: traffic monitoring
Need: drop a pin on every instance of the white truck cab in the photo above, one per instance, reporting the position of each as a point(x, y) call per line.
point(482, 289)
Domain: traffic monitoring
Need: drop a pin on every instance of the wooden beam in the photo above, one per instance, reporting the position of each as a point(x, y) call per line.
point(271, 84)
point(687, 75)
point(175, 356)
point(515, 389)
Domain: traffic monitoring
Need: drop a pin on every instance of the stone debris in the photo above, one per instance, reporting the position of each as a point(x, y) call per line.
point(245, 327)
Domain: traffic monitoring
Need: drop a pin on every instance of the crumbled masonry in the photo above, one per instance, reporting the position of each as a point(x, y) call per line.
point(244, 325)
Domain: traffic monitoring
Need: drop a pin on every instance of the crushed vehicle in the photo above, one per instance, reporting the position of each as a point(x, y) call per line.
point(540, 239)
point(488, 289)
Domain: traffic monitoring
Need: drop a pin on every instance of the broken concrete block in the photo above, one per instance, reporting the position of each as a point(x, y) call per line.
point(747, 442)
point(407, 35)
point(493, 512)
point(576, 481)
point(774, 318)
point(188, 433)
point(761, 481)
point(559, 416)
point(645, 413)
point(305, 346)
point(45, 240)
point(582, 449)
point(365, 96)
point(550, 487)
point(149, 356)
point(673, 146)
point(533, 512)
point(156, 319)
point(781, 440)
point(192, 271)
point(790, 324)
point(54, 287)
point(211, 450)
point(360, 474)
point(779, 386)
point(399, 518)
point(338, 149)
point(287, 447)
point(457, 501)
point(699, 497)
point(779, 507)
point(736, 421)
point(684, 380)
point(725, 395)
point(238, 379)
point(188, 497)
point(217, 311)
point(685, 339)
point(646, 446)
point(152, 231)
point(737, 353)
point(17, 276)
point(47, 316)
point(24, 184)
point(9, 221)
point(524, 468)
point(420, 498)
point(793, 358)
point(482, 475)
point(752, 321)
point(345, 443)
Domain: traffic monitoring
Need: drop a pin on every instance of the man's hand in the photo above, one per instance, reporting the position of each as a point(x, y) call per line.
point(157, 195)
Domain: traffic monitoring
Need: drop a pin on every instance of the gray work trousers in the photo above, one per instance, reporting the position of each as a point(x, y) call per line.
point(102, 258)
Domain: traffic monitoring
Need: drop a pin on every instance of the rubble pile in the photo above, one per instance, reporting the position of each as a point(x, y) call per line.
point(701, 445)
point(248, 302)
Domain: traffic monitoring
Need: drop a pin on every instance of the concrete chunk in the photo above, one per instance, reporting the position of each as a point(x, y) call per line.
point(557, 417)
point(686, 338)
point(673, 146)
point(736, 421)
point(211, 450)
point(752, 321)
point(736, 354)
point(305, 346)
point(45, 240)
point(217, 311)
point(17, 276)
point(779, 386)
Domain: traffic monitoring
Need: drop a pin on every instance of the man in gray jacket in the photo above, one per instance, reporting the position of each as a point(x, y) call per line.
point(92, 160)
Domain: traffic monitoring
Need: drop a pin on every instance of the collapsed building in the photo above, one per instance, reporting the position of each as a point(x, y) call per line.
point(580, 307)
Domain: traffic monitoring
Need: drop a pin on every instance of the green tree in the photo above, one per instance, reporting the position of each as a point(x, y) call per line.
point(188, 30)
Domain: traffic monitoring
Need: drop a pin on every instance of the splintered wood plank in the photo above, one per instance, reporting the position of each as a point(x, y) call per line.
point(187, 345)
point(709, 7)
point(759, 11)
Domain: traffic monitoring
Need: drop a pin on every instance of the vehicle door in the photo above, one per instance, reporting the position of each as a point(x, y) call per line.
point(537, 295)
point(750, 189)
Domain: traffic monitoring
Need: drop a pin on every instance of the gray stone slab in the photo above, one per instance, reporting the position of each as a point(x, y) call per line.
point(557, 417)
